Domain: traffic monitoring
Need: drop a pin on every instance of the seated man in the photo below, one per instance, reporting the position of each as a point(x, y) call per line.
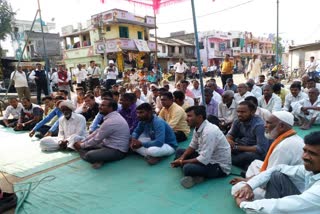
point(289, 189)
point(8, 201)
point(281, 92)
point(72, 127)
point(48, 126)
point(108, 143)
point(230, 86)
point(90, 108)
point(286, 148)
point(295, 95)
point(227, 110)
point(211, 103)
point(128, 110)
point(208, 155)
point(246, 136)
point(253, 88)
point(269, 100)
point(260, 112)
point(242, 93)
point(179, 98)
point(153, 138)
point(308, 110)
point(14, 109)
point(30, 115)
point(175, 116)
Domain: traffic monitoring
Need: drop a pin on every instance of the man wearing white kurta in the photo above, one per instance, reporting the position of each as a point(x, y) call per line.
point(286, 148)
point(21, 83)
point(269, 100)
point(72, 128)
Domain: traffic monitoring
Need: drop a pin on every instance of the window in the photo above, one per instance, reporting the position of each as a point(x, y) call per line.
point(108, 28)
point(180, 50)
point(201, 45)
point(123, 32)
point(139, 35)
point(211, 45)
point(163, 49)
point(172, 49)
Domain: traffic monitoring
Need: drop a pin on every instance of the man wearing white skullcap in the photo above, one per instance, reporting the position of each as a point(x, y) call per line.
point(111, 72)
point(72, 128)
point(286, 148)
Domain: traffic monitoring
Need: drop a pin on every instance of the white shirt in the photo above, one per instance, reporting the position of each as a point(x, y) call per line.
point(256, 91)
point(76, 125)
point(32, 75)
point(54, 78)
point(111, 73)
point(189, 100)
point(197, 92)
point(20, 79)
point(217, 97)
point(312, 66)
point(263, 113)
point(290, 99)
point(68, 77)
point(180, 68)
point(95, 72)
point(145, 98)
point(296, 109)
point(80, 75)
point(273, 105)
point(238, 98)
point(307, 203)
point(15, 112)
point(212, 146)
point(227, 114)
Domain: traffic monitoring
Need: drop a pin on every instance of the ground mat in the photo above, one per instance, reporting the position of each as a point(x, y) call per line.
point(21, 156)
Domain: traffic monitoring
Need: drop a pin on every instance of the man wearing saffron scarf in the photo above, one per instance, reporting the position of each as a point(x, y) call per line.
point(286, 148)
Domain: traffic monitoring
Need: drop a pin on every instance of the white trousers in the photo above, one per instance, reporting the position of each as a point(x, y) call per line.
point(253, 170)
point(50, 144)
point(154, 151)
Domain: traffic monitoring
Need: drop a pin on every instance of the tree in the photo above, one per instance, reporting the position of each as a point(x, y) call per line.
point(6, 18)
point(280, 48)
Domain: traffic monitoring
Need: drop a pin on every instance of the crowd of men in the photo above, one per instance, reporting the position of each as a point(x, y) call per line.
point(249, 125)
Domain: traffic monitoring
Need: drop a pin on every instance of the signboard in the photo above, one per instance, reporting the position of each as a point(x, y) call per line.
point(120, 14)
point(142, 45)
point(150, 20)
point(107, 16)
point(67, 30)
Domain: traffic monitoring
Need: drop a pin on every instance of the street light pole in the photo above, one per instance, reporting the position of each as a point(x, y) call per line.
point(277, 40)
point(198, 51)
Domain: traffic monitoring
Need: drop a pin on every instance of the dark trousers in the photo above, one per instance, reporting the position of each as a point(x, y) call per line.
point(110, 83)
point(42, 86)
point(12, 122)
point(244, 159)
point(180, 136)
point(83, 85)
point(94, 82)
point(28, 127)
point(280, 186)
point(224, 78)
point(312, 74)
point(101, 154)
point(199, 169)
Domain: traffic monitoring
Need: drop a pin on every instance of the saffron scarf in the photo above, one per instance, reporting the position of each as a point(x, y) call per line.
point(274, 145)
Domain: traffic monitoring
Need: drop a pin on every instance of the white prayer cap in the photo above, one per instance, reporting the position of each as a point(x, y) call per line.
point(284, 116)
point(68, 104)
point(111, 62)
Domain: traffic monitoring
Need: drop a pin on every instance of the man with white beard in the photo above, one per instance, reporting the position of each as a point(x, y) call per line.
point(286, 148)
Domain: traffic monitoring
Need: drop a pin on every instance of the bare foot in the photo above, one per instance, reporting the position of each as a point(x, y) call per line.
point(236, 180)
point(153, 160)
point(97, 165)
point(305, 126)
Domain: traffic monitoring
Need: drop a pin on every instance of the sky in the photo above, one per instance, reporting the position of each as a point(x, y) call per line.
point(296, 17)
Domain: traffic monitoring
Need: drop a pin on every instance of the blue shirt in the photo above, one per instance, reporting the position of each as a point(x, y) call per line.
point(96, 122)
point(159, 132)
point(250, 133)
point(48, 118)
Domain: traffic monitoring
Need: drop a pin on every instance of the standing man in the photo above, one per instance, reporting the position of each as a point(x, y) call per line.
point(40, 77)
point(63, 80)
point(21, 83)
point(208, 155)
point(108, 143)
point(93, 75)
point(180, 68)
point(226, 70)
point(312, 67)
point(111, 72)
point(81, 75)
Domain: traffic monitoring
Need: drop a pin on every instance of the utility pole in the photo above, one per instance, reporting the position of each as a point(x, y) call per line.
point(277, 39)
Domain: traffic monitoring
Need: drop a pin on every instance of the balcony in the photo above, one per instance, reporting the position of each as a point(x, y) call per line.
point(79, 52)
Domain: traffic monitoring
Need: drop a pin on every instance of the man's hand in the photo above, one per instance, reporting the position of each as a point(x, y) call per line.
point(77, 145)
point(48, 134)
point(135, 144)
point(177, 163)
point(231, 142)
point(245, 192)
point(239, 200)
point(31, 133)
point(237, 180)
point(63, 144)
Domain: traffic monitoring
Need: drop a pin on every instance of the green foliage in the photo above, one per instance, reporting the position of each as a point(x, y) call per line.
point(6, 18)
